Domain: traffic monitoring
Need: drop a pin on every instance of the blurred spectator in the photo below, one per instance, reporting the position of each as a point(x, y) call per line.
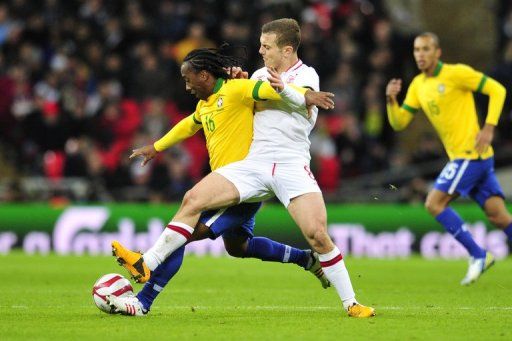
point(415, 192)
point(196, 37)
point(170, 178)
point(149, 80)
point(12, 192)
point(155, 122)
point(502, 72)
point(9, 29)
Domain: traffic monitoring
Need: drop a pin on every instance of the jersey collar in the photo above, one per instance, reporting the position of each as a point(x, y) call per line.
point(218, 85)
point(438, 68)
point(294, 66)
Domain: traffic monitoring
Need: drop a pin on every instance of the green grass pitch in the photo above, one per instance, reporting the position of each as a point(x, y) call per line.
point(49, 297)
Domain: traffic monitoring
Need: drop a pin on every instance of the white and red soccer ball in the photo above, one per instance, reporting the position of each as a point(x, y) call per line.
point(110, 284)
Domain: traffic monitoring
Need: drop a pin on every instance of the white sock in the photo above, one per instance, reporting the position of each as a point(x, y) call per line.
point(175, 235)
point(336, 272)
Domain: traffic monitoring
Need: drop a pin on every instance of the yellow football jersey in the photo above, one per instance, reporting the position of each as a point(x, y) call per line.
point(447, 100)
point(227, 118)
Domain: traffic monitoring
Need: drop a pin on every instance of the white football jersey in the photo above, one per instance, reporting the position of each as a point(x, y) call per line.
point(281, 135)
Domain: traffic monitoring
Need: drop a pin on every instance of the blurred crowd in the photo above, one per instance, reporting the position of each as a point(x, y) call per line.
point(85, 82)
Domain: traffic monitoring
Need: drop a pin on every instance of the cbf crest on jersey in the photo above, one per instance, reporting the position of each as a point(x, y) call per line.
point(219, 102)
point(441, 88)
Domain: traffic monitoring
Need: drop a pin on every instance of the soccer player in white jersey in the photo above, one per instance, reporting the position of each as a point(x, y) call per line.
point(277, 164)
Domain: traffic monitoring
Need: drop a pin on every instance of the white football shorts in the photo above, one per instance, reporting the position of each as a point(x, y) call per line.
point(258, 180)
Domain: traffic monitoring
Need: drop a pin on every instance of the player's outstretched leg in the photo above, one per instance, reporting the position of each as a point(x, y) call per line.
point(308, 211)
point(271, 251)
point(479, 260)
point(454, 225)
point(437, 205)
point(477, 267)
point(334, 268)
point(236, 226)
point(140, 304)
point(172, 238)
point(160, 277)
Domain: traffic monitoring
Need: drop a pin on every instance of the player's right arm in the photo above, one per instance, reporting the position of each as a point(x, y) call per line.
point(184, 129)
point(295, 96)
point(299, 99)
point(400, 116)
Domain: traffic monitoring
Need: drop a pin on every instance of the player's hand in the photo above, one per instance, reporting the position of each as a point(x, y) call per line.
point(321, 99)
point(148, 152)
point(275, 79)
point(484, 138)
point(236, 72)
point(393, 89)
point(310, 110)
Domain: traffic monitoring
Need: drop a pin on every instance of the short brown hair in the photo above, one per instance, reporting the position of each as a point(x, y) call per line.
point(433, 36)
point(287, 32)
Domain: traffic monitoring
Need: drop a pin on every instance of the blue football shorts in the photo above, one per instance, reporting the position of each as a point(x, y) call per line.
point(234, 221)
point(473, 178)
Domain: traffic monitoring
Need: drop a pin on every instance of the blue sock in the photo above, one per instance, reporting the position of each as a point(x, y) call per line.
point(160, 277)
point(508, 231)
point(272, 251)
point(454, 224)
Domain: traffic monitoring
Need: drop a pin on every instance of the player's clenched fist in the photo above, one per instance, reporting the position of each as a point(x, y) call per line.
point(393, 88)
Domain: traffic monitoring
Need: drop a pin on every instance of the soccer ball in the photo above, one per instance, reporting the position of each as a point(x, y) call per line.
point(110, 284)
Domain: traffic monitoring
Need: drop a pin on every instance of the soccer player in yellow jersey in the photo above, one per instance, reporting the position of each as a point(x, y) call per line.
point(444, 92)
point(225, 113)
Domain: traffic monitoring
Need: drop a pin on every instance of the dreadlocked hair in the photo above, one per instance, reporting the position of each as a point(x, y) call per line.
point(213, 60)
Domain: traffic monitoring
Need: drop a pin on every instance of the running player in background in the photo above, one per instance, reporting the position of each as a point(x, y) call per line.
point(225, 113)
point(277, 164)
point(444, 92)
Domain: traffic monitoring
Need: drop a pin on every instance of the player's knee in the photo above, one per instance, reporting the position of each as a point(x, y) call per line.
point(319, 239)
point(500, 220)
point(433, 207)
point(494, 219)
point(235, 250)
point(191, 202)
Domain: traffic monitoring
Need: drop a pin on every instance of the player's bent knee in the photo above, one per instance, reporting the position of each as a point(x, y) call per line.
point(500, 220)
point(494, 220)
point(235, 251)
point(191, 202)
point(433, 207)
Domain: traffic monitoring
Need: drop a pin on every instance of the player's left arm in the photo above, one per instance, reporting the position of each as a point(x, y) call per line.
point(298, 98)
point(479, 82)
point(182, 130)
point(294, 94)
point(261, 91)
point(497, 94)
